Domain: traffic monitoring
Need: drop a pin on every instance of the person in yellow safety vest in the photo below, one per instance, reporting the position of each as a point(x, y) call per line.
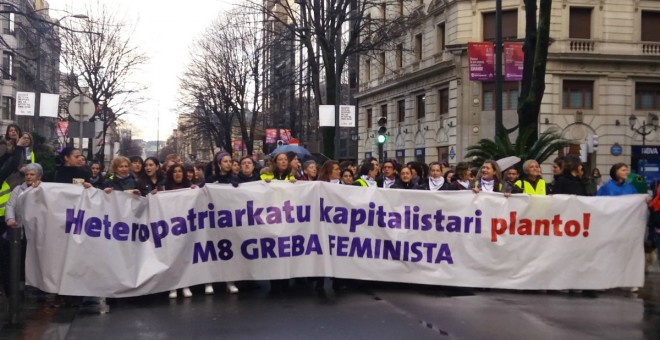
point(532, 183)
point(281, 171)
point(367, 175)
point(29, 150)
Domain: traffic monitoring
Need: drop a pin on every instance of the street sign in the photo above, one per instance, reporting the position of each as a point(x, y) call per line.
point(81, 107)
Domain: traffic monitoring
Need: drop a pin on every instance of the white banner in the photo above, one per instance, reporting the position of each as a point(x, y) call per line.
point(25, 103)
point(346, 116)
point(326, 115)
point(86, 242)
point(49, 105)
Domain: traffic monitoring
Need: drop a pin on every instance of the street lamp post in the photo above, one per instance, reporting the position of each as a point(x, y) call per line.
point(644, 130)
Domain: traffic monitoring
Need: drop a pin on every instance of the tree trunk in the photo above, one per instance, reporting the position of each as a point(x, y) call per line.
point(530, 108)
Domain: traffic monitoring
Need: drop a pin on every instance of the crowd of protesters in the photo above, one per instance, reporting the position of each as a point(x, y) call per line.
point(19, 171)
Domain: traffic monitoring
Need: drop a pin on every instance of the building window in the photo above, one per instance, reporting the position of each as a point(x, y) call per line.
point(440, 38)
point(383, 11)
point(509, 96)
point(381, 60)
point(578, 94)
point(443, 101)
point(399, 56)
point(580, 23)
point(399, 7)
point(647, 96)
point(650, 24)
point(401, 110)
point(7, 65)
point(367, 70)
point(370, 120)
point(8, 23)
point(420, 102)
point(383, 111)
point(418, 46)
point(7, 108)
point(509, 25)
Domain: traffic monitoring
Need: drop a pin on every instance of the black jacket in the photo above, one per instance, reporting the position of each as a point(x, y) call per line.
point(424, 185)
point(128, 183)
point(398, 184)
point(66, 174)
point(569, 185)
point(223, 179)
point(244, 179)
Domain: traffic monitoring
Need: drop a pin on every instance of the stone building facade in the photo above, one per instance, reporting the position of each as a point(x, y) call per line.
point(603, 66)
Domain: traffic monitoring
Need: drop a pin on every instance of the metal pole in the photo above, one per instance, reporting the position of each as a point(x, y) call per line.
point(498, 67)
point(337, 91)
point(80, 119)
point(644, 133)
point(14, 235)
point(37, 88)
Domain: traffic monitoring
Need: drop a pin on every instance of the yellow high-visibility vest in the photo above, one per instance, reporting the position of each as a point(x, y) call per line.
point(5, 192)
point(529, 189)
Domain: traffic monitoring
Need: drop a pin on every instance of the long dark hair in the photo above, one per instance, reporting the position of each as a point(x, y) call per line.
point(287, 172)
point(169, 178)
point(19, 132)
point(143, 174)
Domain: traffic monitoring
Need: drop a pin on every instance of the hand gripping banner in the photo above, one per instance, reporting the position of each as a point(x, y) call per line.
point(86, 242)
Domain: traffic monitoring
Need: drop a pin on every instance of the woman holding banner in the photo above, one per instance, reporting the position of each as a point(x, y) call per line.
point(405, 180)
point(461, 180)
point(436, 180)
point(531, 183)
point(151, 176)
point(281, 170)
point(488, 179)
point(367, 175)
point(176, 179)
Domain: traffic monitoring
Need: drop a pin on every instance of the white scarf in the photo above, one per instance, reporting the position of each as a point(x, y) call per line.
point(465, 184)
point(487, 185)
point(370, 181)
point(436, 184)
point(387, 183)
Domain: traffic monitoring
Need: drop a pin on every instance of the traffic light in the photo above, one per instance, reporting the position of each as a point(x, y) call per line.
point(382, 131)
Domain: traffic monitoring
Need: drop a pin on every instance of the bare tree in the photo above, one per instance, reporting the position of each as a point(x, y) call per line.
point(105, 63)
point(334, 32)
point(222, 86)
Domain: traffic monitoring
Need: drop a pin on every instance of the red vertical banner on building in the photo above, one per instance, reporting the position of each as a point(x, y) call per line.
point(237, 145)
point(271, 136)
point(481, 56)
point(514, 60)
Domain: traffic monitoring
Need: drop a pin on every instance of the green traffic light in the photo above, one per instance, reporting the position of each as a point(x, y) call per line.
point(381, 139)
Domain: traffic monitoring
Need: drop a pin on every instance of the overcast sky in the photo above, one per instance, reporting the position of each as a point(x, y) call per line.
point(164, 30)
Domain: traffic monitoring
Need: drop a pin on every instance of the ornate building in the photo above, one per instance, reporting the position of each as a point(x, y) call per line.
point(30, 59)
point(602, 67)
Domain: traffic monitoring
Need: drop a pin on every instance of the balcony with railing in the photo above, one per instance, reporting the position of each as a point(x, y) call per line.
point(581, 45)
point(650, 48)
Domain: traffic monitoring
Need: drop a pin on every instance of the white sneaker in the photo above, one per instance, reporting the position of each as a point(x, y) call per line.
point(187, 292)
point(231, 288)
point(634, 290)
point(173, 294)
point(208, 289)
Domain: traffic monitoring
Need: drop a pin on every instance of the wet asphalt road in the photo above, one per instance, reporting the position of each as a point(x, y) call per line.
point(383, 311)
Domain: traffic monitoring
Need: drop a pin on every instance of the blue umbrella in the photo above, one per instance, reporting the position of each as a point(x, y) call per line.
point(299, 150)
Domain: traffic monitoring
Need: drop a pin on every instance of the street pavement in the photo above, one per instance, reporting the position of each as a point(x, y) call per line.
point(373, 310)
